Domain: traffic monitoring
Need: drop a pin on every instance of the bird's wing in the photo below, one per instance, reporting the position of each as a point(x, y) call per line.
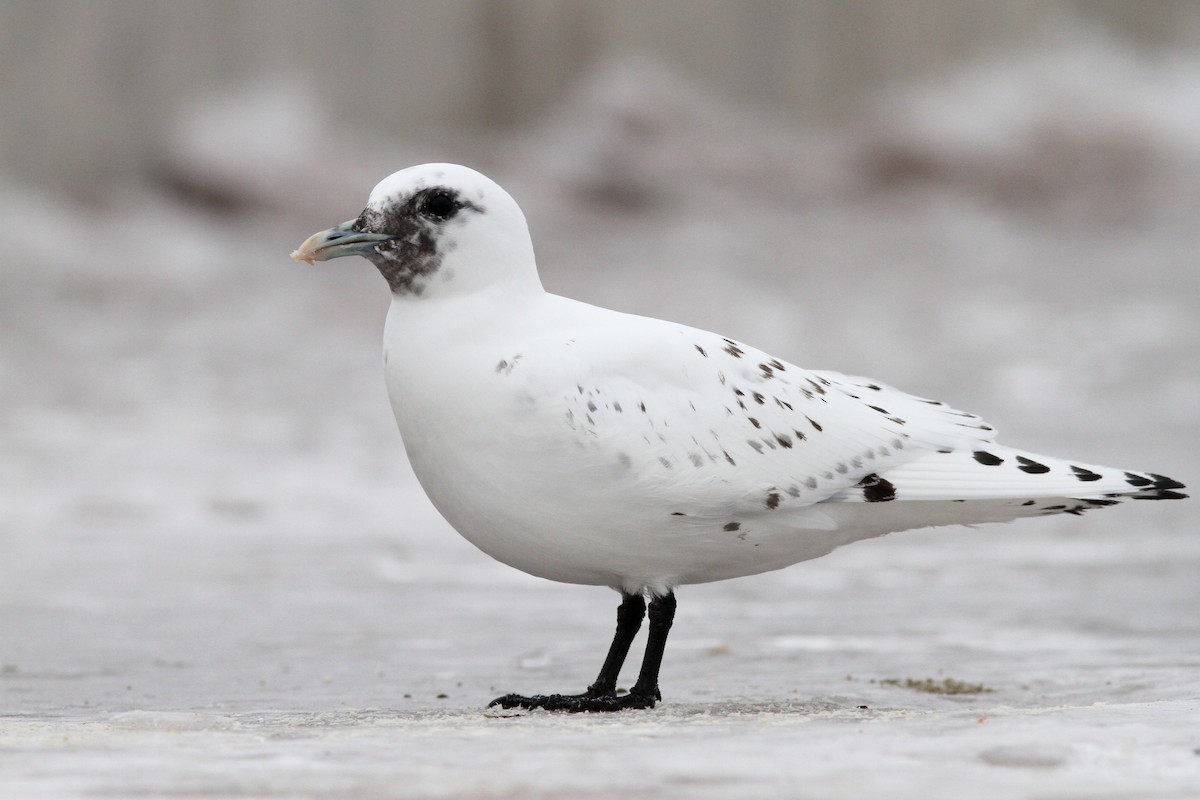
point(710, 426)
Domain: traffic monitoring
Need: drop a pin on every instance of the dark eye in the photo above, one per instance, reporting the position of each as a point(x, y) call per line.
point(440, 205)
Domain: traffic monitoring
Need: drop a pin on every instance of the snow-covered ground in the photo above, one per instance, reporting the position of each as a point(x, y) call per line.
point(219, 577)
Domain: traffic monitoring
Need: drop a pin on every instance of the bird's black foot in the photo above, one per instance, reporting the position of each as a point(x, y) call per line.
point(577, 703)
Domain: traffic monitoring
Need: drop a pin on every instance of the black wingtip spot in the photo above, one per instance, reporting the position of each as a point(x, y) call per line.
point(1163, 482)
point(1162, 494)
point(987, 459)
point(1137, 480)
point(1031, 466)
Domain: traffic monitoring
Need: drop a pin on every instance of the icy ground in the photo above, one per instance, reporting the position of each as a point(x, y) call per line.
point(219, 577)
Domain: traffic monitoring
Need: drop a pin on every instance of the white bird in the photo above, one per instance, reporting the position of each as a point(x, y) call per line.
point(589, 446)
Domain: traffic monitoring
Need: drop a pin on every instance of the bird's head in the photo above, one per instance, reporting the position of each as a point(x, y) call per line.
point(434, 229)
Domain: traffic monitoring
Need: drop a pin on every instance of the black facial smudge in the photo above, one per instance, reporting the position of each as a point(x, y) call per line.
point(409, 260)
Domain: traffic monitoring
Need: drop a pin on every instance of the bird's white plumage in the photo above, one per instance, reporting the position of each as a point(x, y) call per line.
point(589, 446)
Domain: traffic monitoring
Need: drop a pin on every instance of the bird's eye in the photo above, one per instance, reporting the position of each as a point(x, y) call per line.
point(440, 205)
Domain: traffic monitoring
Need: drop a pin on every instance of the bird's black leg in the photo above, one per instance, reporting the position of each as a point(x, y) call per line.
point(662, 614)
point(630, 614)
point(602, 694)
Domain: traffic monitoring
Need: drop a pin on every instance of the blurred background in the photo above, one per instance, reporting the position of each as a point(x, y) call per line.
point(201, 486)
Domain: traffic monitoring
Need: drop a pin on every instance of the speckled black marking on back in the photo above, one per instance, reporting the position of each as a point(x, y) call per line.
point(732, 526)
point(773, 499)
point(407, 261)
point(987, 459)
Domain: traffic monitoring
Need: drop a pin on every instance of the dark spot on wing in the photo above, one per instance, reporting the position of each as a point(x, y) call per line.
point(784, 440)
point(591, 406)
point(877, 489)
point(987, 459)
point(754, 422)
point(729, 458)
point(758, 398)
point(767, 372)
point(732, 526)
point(758, 447)
point(732, 348)
point(616, 406)
point(1085, 474)
point(700, 350)
point(678, 514)
point(1137, 480)
point(664, 462)
point(1031, 466)
point(773, 499)
point(815, 425)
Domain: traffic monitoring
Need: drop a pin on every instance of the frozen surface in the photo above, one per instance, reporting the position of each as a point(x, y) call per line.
point(219, 576)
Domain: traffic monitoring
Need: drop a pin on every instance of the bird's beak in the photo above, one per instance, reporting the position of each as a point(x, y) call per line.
point(337, 242)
